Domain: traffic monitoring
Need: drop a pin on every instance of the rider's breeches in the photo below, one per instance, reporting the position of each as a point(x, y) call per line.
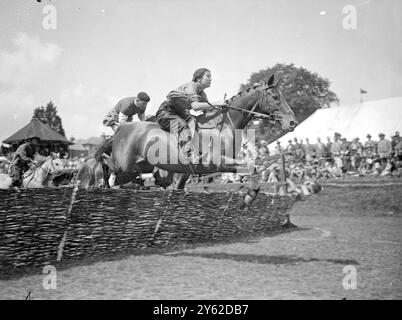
point(16, 175)
point(174, 124)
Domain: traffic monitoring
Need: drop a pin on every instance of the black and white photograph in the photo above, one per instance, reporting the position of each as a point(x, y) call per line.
point(200, 154)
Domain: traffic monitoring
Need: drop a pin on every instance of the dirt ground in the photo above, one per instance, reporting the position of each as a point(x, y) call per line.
point(359, 227)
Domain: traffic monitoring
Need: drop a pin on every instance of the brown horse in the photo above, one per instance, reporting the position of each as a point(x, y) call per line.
point(141, 146)
point(92, 173)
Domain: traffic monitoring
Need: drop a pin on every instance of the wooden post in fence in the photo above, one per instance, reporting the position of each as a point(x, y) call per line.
point(283, 190)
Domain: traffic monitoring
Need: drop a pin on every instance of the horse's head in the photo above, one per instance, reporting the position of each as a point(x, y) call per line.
point(53, 164)
point(275, 104)
point(266, 99)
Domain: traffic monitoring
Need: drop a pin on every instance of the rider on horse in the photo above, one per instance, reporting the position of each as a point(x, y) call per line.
point(23, 158)
point(125, 109)
point(123, 112)
point(174, 113)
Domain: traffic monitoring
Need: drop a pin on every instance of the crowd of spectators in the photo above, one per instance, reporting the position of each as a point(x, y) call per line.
point(337, 157)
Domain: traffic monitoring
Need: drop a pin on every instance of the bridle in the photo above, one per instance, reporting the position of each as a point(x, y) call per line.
point(48, 172)
point(247, 115)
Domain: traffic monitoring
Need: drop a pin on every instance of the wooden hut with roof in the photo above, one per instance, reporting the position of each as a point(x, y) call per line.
point(51, 141)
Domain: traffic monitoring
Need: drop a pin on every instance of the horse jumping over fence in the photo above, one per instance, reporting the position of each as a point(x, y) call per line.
point(93, 173)
point(140, 147)
point(38, 176)
point(143, 147)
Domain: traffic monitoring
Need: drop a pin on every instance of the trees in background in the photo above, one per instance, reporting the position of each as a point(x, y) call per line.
point(49, 117)
point(303, 90)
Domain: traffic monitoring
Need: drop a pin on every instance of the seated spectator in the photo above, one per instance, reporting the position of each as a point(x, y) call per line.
point(364, 166)
point(389, 168)
point(377, 168)
point(297, 171)
point(335, 170)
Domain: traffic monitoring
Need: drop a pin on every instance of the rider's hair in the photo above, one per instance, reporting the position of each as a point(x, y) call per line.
point(199, 73)
point(143, 96)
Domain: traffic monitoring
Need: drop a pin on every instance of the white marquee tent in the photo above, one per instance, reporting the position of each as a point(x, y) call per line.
point(373, 117)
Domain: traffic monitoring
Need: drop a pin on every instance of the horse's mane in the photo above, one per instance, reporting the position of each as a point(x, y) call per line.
point(248, 90)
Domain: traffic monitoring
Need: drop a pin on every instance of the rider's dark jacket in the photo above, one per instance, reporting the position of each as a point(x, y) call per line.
point(125, 106)
point(24, 155)
point(178, 103)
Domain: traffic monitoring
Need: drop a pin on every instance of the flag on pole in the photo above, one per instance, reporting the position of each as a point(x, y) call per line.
point(362, 91)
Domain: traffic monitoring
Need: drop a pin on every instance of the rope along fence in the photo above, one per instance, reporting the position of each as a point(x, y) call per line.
point(41, 226)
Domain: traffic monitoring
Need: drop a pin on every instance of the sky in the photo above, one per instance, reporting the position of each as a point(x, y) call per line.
point(101, 51)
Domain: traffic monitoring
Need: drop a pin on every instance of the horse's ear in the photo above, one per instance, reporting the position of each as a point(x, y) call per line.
point(271, 80)
point(55, 155)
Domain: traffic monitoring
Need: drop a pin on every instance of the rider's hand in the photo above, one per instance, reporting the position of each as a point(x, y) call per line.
point(223, 107)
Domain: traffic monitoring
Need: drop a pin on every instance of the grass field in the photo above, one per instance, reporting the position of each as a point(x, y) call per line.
point(344, 225)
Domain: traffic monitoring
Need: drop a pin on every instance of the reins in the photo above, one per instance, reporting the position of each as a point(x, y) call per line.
point(48, 172)
point(251, 113)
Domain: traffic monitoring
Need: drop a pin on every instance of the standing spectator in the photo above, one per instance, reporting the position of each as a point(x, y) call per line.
point(289, 147)
point(344, 148)
point(299, 152)
point(336, 151)
point(384, 147)
point(309, 151)
point(398, 151)
point(356, 152)
point(395, 140)
point(336, 146)
point(356, 146)
point(329, 148)
point(278, 148)
point(320, 151)
point(370, 147)
point(345, 154)
point(370, 151)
